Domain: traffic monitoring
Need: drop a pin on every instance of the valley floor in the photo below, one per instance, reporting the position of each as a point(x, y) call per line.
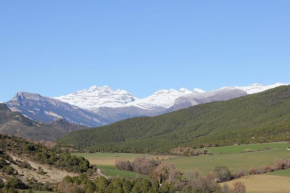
point(236, 158)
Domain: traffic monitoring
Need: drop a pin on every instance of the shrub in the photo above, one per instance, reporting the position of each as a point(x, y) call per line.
point(144, 165)
point(41, 171)
point(1, 183)
point(2, 163)
point(240, 174)
point(141, 165)
point(253, 171)
point(15, 183)
point(124, 165)
point(222, 173)
point(25, 164)
point(238, 187)
point(8, 170)
point(166, 172)
point(199, 183)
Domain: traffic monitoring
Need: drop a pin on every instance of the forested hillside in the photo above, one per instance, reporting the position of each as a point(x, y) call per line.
point(263, 117)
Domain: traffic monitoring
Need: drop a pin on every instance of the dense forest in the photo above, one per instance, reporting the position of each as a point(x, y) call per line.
point(257, 118)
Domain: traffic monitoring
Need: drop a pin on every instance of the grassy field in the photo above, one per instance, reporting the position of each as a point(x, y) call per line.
point(229, 156)
point(106, 162)
point(232, 158)
point(110, 158)
point(249, 147)
point(264, 184)
point(112, 171)
point(285, 173)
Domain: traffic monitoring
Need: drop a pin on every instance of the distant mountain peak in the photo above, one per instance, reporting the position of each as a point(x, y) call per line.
point(162, 99)
point(96, 97)
point(257, 88)
point(25, 95)
point(45, 109)
point(197, 90)
point(256, 84)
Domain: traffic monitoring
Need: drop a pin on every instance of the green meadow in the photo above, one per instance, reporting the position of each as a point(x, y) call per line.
point(112, 171)
point(285, 173)
point(255, 155)
point(248, 148)
point(232, 157)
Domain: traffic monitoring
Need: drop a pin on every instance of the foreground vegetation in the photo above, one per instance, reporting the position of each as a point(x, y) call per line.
point(16, 171)
point(160, 182)
point(258, 118)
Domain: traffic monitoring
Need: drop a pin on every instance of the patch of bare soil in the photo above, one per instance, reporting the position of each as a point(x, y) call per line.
point(52, 175)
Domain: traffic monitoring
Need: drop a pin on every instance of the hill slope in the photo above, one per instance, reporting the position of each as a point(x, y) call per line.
point(35, 166)
point(253, 118)
point(14, 123)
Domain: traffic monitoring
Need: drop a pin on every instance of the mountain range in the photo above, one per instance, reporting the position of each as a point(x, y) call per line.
point(97, 97)
point(99, 106)
point(255, 118)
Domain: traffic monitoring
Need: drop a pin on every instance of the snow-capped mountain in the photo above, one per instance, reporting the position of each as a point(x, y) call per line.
point(98, 106)
point(162, 98)
point(96, 97)
point(256, 88)
point(206, 97)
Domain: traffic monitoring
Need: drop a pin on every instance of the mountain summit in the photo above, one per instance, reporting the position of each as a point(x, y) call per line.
point(96, 97)
point(162, 98)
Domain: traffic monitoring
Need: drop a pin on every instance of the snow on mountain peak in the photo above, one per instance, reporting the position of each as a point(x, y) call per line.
point(197, 90)
point(162, 99)
point(256, 84)
point(96, 97)
point(256, 88)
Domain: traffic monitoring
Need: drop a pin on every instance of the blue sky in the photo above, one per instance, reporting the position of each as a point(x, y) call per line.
point(58, 47)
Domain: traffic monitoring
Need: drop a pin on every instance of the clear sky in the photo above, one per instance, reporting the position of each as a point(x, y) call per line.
point(56, 47)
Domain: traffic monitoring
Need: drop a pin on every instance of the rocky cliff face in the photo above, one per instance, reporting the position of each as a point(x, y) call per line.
point(40, 108)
